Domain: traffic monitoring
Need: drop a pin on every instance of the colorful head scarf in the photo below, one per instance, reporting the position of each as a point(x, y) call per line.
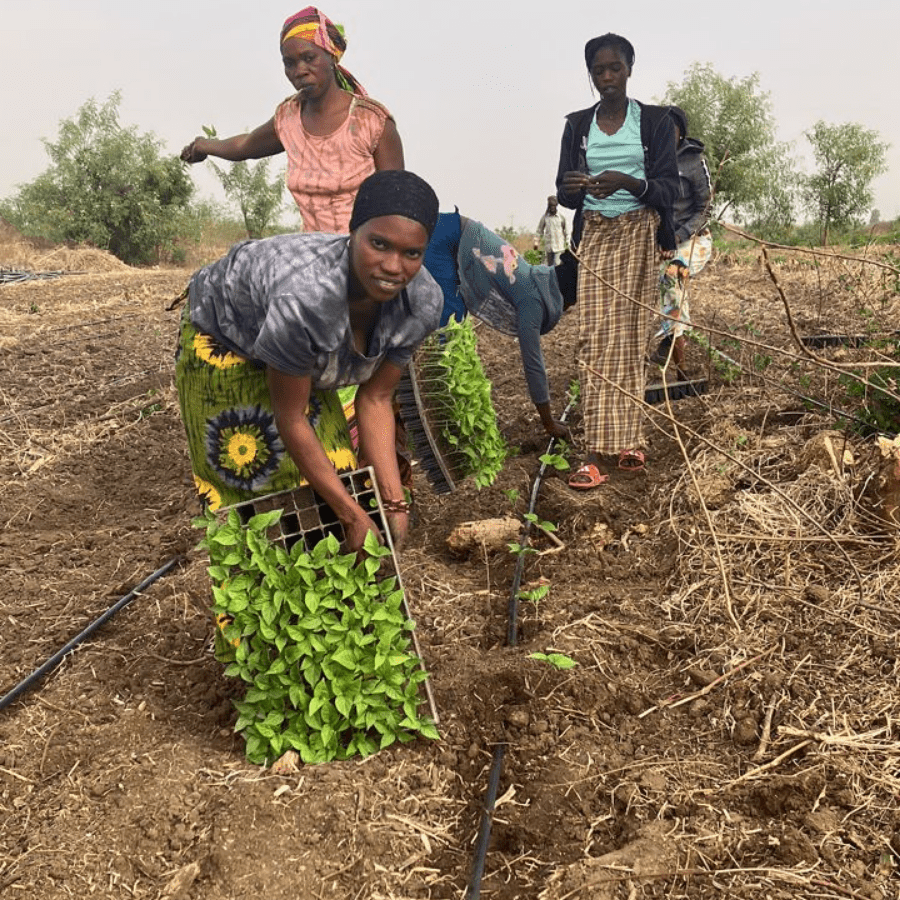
point(314, 26)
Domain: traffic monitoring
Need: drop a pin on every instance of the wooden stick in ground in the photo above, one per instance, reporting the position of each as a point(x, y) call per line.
point(767, 731)
point(720, 560)
point(665, 704)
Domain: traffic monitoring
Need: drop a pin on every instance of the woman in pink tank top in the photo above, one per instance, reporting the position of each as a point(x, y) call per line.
point(334, 135)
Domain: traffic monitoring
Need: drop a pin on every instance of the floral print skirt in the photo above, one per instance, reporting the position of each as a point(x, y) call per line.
point(236, 452)
point(674, 290)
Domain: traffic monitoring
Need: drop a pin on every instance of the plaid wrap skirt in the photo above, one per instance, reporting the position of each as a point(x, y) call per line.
point(614, 315)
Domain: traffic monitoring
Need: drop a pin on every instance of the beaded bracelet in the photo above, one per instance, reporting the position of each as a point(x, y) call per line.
point(396, 506)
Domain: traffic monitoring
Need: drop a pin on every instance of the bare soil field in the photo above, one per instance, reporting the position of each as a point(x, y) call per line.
point(730, 729)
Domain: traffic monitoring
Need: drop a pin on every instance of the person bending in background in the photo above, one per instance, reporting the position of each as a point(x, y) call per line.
point(273, 328)
point(334, 135)
point(481, 273)
point(617, 170)
point(553, 230)
point(694, 244)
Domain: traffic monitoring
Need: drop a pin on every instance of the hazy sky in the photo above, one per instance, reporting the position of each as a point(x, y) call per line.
point(478, 88)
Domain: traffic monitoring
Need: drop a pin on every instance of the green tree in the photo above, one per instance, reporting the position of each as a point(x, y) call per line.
point(258, 199)
point(848, 159)
point(106, 185)
point(751, 171)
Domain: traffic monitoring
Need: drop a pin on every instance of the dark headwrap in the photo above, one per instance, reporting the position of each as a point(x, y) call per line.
point(623, 45)
point(395, 192)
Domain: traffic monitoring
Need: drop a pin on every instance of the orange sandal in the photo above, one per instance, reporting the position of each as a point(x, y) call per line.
point(590, 477)
point(631, 461)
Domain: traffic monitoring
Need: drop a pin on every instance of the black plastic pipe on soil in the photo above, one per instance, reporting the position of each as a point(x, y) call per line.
point(57, 657)
point(473, 891)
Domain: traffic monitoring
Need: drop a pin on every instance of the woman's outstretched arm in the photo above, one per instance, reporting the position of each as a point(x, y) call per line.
point(256, 144)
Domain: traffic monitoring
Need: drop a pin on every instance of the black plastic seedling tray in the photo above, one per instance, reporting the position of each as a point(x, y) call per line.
point(307, 517)
point(656, 393)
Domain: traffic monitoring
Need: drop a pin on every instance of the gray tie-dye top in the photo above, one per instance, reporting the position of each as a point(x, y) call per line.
point(282, 301)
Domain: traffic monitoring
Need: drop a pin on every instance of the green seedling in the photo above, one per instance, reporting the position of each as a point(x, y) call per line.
point(761, 361)
point(556, 460)
point(547, 527)
point(729, 372)
point(148, 411)
point(518, 549)
point(321, 644)
point(472, 422)
point(557, 660)
point(535, 595)
point(877, 397)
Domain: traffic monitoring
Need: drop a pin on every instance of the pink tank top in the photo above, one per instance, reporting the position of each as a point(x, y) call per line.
point(324, 173)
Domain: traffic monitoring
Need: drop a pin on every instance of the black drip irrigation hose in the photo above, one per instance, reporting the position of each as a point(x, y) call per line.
point(57, 657)
point(473, 891)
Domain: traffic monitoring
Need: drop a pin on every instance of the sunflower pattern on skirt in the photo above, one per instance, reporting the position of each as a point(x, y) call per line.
point(244, 446)
point(235, 449)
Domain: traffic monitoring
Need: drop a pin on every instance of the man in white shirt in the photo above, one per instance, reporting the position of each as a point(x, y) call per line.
point(553, 229)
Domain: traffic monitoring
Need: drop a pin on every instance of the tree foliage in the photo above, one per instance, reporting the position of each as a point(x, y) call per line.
point(106, 185)
point(848, 159)
point(751, 171)
point(248, 186)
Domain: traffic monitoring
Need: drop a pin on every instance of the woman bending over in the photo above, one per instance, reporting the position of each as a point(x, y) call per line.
point(271, 330)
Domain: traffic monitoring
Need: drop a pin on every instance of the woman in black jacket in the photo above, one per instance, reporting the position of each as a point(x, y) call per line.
point(617, 170)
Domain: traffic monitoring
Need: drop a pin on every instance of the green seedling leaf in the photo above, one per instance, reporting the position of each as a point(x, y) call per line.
point(519, 549)
point(535, 595)
point(557, 660)
point(322, 644)
point(556, 460)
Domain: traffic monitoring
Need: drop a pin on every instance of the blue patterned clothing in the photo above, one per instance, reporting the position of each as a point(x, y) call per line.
point(510, 295)
point(440, 260)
